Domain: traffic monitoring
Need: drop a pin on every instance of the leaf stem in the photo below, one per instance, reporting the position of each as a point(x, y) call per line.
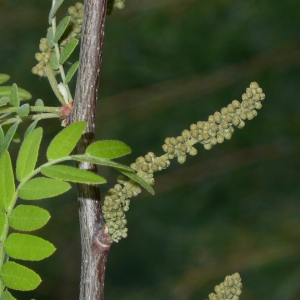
point(30, 118)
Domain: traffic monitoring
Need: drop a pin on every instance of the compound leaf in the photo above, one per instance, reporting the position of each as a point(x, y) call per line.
point(139, 180)
point(28, 153)
point(65, 141)
point(28, 217)
point(40, 188)
point(72, 174)
point(7, 184)
point(27, 247)
point(18, 277)
point(67, 51)
point(108, 149)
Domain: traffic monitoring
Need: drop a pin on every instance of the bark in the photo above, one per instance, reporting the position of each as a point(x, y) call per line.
point(94, 239)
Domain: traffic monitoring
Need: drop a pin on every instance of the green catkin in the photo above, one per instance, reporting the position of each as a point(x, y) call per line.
point(230, 289)
point(218, 128)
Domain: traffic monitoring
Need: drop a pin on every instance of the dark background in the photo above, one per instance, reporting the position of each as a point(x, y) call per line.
point(235, 208)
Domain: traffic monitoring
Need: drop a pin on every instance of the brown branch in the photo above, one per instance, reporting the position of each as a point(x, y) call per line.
point(94, 239)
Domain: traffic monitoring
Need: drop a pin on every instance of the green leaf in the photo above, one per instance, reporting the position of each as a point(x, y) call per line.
point(54, 61)
point(50, 38)
point(61, 27)
point(10, 134)
point(72, 174)
point(30, 128)
point(28, 153)
point(3, 225)
point(4, 78)
point(23, 110)
point(40, 188)
point(6, 90)
point(7, 296)
point(7, 184)
point(101, 161)
point(139, 180)
point(18, 277)
point(28, 218)
point(54, 10)
point(67, 51)
point(64, 142)
point(1, 141)
point(4, 101)
point(27, 247)
point(39, 102)
point(108, 149)
point(72, 71)
point(14, 96)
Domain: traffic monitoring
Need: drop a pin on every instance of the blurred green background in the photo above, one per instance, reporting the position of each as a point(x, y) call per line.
point(235, 208)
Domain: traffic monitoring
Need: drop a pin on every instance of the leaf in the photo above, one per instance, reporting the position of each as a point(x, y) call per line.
point(4, 101)
point(54, 61)
point(18, 277)
point(50, 37)
point(139, 180)
point(14, 96)
point(72, 71)
point(67, 51)
point(101, 161)
point(1, 141)
point(23, 110)
point(40, 188)
point(10, 134)
point(54, 10)
point(65, 141)
point(3, 225)
point(27, 247)
point(28, 153)
point(7, 184)
point(7, 296)
point(72, 174)
point(61, 27)
point(4, 78)
point(39, 102)
point(28, 218)
point(108, 149)
point(6, 90)
point(30, 128)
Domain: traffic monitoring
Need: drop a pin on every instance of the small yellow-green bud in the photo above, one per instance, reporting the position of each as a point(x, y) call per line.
point(181, 159)
point(236, 103)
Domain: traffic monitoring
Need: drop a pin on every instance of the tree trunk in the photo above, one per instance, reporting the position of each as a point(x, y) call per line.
point(94, 239)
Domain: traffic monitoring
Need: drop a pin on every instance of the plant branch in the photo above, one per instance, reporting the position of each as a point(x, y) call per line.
point(94, 237)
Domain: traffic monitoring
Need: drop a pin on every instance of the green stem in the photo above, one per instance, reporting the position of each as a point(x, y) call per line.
point(32, 108)
point(57, 53)
point(31, 118)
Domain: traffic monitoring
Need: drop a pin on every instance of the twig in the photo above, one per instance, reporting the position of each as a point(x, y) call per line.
point(94, 237)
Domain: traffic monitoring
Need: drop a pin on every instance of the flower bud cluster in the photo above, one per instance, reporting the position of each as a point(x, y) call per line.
point(218, 127)
point(47, 53)
point(231, 288)
point(116, 203)
point(147, 165)
point(76, 13)
point(42, 57)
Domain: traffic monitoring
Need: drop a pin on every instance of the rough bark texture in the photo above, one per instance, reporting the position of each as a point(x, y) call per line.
point(94, 239)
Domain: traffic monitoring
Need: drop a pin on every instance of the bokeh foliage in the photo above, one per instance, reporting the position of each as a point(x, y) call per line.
point(235, 208)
